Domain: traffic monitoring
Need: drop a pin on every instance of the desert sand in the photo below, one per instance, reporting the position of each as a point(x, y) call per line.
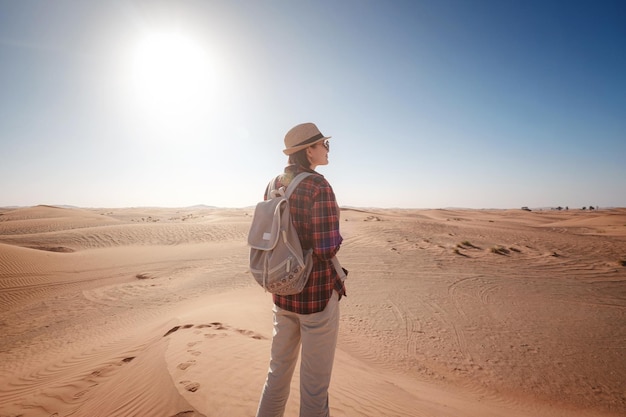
point(450, 313)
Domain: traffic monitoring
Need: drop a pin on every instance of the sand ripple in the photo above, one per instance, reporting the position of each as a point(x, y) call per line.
point(151, 312)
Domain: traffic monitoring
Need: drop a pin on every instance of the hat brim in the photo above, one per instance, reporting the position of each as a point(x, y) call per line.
point(291, 151)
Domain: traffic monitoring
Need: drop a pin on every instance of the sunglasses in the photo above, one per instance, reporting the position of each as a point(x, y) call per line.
point(325, 143)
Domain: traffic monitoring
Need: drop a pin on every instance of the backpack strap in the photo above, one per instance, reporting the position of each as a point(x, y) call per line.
point(294, 183)
point(340, 270)
point(271, 191)
point(271, 188)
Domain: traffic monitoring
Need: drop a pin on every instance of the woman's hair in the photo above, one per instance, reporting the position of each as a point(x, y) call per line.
point(300, 158)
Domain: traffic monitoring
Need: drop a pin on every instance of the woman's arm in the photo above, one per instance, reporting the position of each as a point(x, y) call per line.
point(325, 223)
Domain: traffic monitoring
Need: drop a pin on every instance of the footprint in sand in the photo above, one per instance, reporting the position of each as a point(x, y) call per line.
point(216, 326)
point(251, 334)
point(183, 366)
point(190, 386)
point(222, 329)
point(188, 413)
point(176, 328)
point(105, 371)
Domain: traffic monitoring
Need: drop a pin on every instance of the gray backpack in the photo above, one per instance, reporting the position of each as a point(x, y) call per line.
point(277, 260)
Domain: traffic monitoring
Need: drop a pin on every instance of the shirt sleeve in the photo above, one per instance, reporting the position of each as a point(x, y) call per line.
point(325, 223)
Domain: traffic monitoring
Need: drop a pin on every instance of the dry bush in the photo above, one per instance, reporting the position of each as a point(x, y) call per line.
point(500, 250)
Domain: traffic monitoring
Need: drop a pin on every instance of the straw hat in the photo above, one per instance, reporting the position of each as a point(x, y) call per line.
point(302, 136)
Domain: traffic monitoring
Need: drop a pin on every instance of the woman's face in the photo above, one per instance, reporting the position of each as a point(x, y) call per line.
point(318, 153)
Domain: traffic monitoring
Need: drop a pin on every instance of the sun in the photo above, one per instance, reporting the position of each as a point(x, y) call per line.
point(170, 74)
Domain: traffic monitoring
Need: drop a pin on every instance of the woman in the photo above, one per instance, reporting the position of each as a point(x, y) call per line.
point(310, 319)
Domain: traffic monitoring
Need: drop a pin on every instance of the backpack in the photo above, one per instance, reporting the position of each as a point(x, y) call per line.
point(277, 261)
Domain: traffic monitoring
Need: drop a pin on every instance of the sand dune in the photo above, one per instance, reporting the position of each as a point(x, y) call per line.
point(464, 313)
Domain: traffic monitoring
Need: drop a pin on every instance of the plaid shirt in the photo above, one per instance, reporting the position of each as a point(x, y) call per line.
point(315, 216)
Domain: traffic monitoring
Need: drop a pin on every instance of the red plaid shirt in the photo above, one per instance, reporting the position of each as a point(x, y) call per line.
point(315, 216)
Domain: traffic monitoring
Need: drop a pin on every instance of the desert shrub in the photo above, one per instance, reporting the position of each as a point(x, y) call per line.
point(458, 252)
point(467, 244)
point(500, 250)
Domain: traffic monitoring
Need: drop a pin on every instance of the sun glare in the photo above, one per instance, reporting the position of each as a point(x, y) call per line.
point(170, 75)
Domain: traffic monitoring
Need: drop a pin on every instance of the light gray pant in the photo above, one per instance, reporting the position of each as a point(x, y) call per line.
point(317, 333)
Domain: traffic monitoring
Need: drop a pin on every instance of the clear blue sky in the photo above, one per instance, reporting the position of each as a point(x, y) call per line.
point(477, 104)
